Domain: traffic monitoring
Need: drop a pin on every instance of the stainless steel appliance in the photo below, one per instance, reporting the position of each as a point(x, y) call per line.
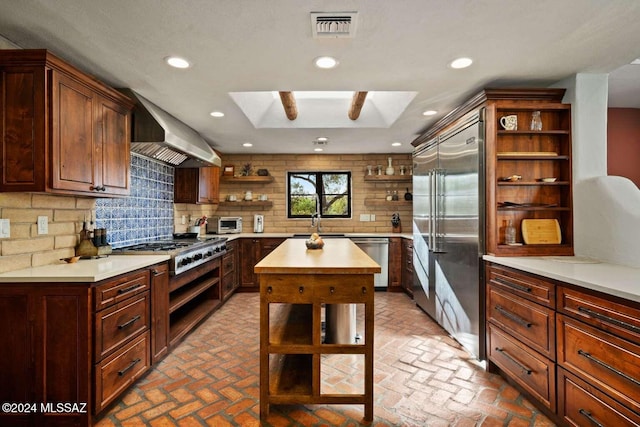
point(258, 223)
point(224, 225)
point(186, 250)
point(448, 229)
point(378, 249)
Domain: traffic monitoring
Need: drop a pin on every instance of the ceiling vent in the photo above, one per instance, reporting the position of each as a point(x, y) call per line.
point(333, 24)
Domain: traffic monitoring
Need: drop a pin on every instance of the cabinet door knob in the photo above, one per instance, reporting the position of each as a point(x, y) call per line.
point(332, 289)
point(364, 290)
point(269, 289)
point(301, 289)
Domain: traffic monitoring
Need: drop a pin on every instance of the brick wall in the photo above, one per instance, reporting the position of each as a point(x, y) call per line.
point(275, 218)
point(25, 247)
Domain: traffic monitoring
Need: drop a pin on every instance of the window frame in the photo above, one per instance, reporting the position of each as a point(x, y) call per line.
point(319, 184)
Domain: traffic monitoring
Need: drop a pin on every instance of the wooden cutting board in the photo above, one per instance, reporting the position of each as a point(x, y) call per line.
point(541, 232)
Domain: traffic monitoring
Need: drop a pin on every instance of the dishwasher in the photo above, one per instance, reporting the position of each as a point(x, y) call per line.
point(341, 318)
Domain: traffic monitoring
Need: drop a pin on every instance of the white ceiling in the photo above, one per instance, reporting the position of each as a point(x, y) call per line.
point(260, 45)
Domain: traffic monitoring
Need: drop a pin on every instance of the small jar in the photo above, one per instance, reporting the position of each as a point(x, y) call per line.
point(394, 196)
point(510, 233)
point(389, 196)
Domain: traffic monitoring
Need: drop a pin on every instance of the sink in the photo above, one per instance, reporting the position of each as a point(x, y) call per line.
point(323, 235)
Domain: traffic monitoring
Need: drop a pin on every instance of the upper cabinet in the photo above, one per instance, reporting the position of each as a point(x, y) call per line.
point(197, 185)
point(61, 130)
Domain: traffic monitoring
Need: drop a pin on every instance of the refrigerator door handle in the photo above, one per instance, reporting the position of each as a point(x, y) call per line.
point(439, 206)
point(432, 210)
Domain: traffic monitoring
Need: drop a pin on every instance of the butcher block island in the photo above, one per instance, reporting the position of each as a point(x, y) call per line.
point(296, 286)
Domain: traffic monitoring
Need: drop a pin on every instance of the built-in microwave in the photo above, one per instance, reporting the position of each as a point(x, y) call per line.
point(224, 225)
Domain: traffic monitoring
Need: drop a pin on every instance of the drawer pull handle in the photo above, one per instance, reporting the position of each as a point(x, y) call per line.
point(588, 416)
point(129, 289)
point(301, 289)
point(607, 366)
point(269, 289)
point(130, 322)
point(524, 368)
point(608, 319)
point(364, 290)
point(332, 290)
point(512, 285)
point(131, 365)
point(513, 317)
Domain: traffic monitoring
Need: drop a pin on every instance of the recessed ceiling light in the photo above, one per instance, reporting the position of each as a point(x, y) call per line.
point(247, 144)
point(325, 62)
point(430, 113)
point(318, 149)
point(396, 144)
point(176, 62)
point(217, 114)
point(461, 63)
point(322, 139)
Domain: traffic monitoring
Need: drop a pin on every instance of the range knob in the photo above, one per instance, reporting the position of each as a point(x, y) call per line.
point(186, 261)
point(218, 248)
point(208, 254)
point(197, 257)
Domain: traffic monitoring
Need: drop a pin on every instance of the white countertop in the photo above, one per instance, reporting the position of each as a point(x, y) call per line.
point(85, 270)
point(612, 279)
point(289, 235)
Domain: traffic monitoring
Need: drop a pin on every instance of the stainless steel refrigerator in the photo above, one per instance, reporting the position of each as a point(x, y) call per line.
point(448, 230)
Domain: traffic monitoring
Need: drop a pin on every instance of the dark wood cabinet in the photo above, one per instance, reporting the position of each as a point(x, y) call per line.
point(407, 266)
point(197, 185)
point(395, 264)
point(45, 351)
point(230, 269)
point(62, 131)
point(251, 252)
point(159, 311)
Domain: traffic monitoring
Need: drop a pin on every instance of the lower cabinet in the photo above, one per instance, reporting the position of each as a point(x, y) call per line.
point(159, 312)
point(575, 352)
point(407, 266)
point(252, 250)
point(230, 270)
point(82, 343)
point(395, 264)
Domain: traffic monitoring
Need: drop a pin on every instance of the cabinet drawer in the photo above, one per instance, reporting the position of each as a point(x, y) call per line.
point(619, 319)
point(610, 363)
point(528, 322)
point(119, 323)
point(530, 370)
point(579, 404)
point(114, 291)
point(285, 289)
point(338, 293)
point(228, 263)
point(120, 370)
point(530, 287)
point(228, 283)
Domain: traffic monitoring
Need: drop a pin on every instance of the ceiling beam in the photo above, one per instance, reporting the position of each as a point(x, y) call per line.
point(356, 104)
point(289, 104)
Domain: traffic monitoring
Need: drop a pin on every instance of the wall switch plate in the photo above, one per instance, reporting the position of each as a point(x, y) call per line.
point(5, 228)
point(184, 219)
point(43, 225)
point(365, 217)
point(373, 217)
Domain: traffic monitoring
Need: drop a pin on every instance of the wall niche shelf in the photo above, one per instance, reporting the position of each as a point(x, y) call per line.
point(245, 179)
point(388, 178)
point(247, 203)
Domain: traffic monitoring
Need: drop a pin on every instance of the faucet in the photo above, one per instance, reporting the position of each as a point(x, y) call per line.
point(315, 217)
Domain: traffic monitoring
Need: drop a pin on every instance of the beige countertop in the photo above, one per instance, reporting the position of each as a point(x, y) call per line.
point(85, 270)
point(612, 279)
point(339, 256)
point(289, 235)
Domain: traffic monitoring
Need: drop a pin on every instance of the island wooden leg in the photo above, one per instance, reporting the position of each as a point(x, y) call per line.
point(369, 312)
point(264, 356)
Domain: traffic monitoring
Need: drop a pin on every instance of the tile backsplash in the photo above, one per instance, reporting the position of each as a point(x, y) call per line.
point(147, 214)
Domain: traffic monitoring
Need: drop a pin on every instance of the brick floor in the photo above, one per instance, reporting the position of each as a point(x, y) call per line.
point(421, 378)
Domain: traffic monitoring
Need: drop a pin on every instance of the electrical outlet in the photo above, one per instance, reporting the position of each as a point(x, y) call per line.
point(43, 225)
point(5, 228)
point(365, 217)
point(373, 217)
point(184, 219)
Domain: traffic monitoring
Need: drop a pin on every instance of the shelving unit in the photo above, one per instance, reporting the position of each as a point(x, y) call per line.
point(532, 154)
point(386, 203)
point(193, 296)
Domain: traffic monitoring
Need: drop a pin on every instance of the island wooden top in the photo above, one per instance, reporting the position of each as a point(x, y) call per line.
point(339, 256)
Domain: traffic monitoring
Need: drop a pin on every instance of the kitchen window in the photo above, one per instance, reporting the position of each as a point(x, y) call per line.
point(333, 190)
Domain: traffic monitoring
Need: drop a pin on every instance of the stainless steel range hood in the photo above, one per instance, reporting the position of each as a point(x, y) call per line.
point(157, 134)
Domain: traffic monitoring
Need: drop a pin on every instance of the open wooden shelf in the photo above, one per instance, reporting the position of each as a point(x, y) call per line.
point(187, 320)
point(245, 179)
point(388, 178)
point(290, 324)
point(534, 132)
point(290, 375)
point(387, 203)
point(530, 157)
point(561, 183)
point(185, 294)
point(246, 203)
